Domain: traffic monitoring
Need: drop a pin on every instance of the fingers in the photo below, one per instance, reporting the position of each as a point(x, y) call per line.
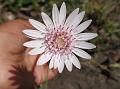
point(43, 73)
point(52, 73)
point(12, 37)
point(15, 27)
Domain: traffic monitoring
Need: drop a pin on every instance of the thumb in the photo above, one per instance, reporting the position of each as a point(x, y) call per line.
point(41, 72)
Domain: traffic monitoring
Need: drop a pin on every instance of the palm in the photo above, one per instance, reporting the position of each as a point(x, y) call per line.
point(17, 68)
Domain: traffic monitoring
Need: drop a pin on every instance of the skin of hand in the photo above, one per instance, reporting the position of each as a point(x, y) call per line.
point(18, 69)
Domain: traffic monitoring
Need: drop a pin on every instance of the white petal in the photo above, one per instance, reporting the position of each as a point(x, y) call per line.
point(47, 20)
point(64, 57)
point(75, 61)
point(44, 58)
point(68, 65)
point(56, 61)
point(61, 66)
point(36, 51)
point(33, 33)
point(78, 19)
point(71, 17)
point(38, 25)
point(84, 45)
point(33, 43)
point(55, 15)
point(86, 36)
point(81, 53)
point(62, 16)
point(31, 37)
point(51, 64)
point(82, 27)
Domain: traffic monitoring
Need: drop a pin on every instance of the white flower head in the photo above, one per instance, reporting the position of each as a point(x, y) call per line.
point(60, 39)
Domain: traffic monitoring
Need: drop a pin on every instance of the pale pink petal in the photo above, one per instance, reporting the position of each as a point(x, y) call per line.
point(75, 61)
point(55, 15)
point(33, 43)
point(81, 53)
point(78, 19)
point(81, 27)
point(71, 17)
point(38, 25)
point(33, 33)
point(84, 45)
point(61, 66)
point(68, 65)
point(56, 61)
point(85, 36)
point(47, 20)
point(62, 16)
point(31, 37)
point(51, 64)
point(37, 51)
point(44, 58)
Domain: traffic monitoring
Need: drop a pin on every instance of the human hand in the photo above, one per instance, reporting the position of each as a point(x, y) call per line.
point(18, 69)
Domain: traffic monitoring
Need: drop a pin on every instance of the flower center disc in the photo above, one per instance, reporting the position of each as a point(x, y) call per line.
point(60, 42)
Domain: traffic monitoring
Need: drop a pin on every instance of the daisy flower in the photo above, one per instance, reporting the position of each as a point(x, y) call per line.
point(59, 40)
